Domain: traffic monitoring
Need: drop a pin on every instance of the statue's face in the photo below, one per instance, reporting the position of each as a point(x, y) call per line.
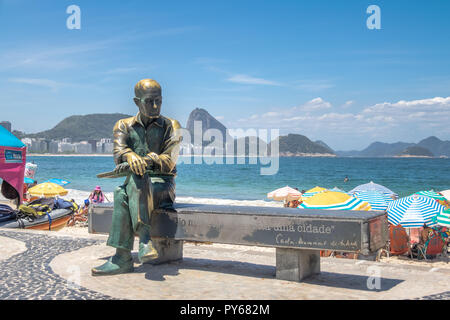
point(149, 103)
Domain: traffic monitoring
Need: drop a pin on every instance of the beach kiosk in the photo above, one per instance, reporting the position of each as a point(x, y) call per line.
point(12, 160)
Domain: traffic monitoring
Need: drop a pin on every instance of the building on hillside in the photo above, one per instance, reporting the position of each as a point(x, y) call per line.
point(83, 147)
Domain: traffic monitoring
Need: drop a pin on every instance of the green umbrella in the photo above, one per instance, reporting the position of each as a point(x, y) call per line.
point(443, 219)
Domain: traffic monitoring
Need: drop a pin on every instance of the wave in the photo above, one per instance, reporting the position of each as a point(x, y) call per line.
point(79, 196)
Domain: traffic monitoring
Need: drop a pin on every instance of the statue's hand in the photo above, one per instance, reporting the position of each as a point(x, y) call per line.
point(137, 163)
point(121, 167)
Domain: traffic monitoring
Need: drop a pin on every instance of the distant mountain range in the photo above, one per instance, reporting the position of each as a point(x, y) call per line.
point(98, 126)
point(429, 147)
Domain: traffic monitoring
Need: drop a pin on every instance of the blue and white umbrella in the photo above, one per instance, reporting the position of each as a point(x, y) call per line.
point(371, 186)
point(414, 211)
point(60, 182)
point(378, 201)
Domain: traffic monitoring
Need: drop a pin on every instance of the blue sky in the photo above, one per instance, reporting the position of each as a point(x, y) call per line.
point(307, 67)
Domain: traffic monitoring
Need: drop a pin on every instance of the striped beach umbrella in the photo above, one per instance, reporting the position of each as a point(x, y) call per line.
point(332, 200)
point(434, 195)
point(414, 211)
point(443, 219)
point(371, 186)
point(446, 194)
point(286, 193)
point(378, 201)
point(313, 191)
point(337, 190)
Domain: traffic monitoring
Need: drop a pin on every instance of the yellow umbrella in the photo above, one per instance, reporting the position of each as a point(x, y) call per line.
point(313, 191)
point(47, 189)
point(332, 200)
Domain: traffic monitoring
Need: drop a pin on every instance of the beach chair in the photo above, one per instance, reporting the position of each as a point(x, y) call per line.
point(399, 242)
point(435, 244)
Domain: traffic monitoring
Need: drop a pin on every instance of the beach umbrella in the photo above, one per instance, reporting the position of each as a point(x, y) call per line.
point(60, 182)
point(48, 190)
point(313, 191)
point(378, 201)
point(371, 186)
point(434, 195)
point(446, 194)
point(337, 190)
point(332, 200)
point(285, 193)
point(414, 211)
point(443, 218)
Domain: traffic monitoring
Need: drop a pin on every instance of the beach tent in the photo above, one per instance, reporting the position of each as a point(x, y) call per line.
point(443, 219)
point(414, 211)
point(378, 201)
point(371, 186)
point(332, 200)
point(313, 191)
point(12, 160)
point(286, 193)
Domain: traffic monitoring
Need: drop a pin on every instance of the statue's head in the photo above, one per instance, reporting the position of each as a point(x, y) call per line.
point(148, 98)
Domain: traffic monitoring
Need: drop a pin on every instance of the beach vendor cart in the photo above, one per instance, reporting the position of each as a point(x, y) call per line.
point(12, 160)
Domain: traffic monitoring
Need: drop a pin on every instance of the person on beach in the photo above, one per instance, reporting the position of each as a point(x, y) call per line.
point(148, 141)
point(97, 195)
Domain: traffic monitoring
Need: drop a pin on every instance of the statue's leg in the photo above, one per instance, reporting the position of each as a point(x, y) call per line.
point(121, 237)
point(141, 205)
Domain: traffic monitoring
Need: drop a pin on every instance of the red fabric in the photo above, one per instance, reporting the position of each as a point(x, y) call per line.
point(398, 239)
point(435, 245)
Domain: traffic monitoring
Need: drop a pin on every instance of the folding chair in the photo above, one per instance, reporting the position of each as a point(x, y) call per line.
point(436, 244)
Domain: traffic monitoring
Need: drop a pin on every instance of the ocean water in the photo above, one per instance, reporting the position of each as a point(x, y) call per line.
point(244, 181)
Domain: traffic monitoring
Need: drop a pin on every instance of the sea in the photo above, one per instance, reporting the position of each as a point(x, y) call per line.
point(244, 184)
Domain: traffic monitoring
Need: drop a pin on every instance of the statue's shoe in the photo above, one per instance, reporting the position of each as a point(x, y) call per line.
point(147, 252)
point(113, 266)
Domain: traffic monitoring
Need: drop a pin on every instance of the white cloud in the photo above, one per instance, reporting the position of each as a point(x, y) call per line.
point(315, 104)
point(53, 85)
point(245, 79)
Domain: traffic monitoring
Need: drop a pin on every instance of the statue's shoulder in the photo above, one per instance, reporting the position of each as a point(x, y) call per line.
point(172, 122)
point(124, 123)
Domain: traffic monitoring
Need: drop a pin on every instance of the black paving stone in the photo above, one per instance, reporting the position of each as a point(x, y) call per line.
point(28, 275)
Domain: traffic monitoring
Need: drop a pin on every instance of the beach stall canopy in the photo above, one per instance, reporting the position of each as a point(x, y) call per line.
point(378, 201)
point(414, 211)
point(371, 186)
point(313, 191)
point(332, 200)
point(12, 160)
point(286, 193)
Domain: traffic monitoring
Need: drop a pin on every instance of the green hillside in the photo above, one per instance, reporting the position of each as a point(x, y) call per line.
point(79, 128)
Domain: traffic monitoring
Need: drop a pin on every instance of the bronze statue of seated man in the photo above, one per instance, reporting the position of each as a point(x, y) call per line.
point(146, 147)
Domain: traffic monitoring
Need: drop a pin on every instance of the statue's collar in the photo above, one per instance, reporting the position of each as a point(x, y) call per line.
point(138, 119)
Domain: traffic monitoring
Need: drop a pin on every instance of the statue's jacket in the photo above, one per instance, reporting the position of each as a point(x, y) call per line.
point(160, 141)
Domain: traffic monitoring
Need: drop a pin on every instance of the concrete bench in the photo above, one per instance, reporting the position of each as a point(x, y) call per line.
point(297, 234)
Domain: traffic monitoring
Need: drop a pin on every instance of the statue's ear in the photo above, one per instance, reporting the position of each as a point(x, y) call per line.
point(137, 101)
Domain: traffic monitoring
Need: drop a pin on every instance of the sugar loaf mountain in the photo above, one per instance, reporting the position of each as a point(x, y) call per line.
point(94, 127)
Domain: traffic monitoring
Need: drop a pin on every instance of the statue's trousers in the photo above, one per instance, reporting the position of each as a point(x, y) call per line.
point(133, 204)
